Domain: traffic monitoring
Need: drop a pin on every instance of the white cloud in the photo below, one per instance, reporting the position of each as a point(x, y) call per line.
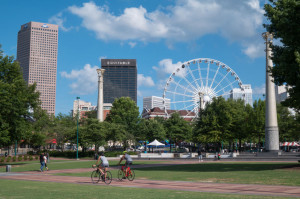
point(166, 67)
point(59, 20)
point(186, 20)
point(144, 81)
point(260, 90)
point(84, 80)
point(255, 50)
point(132, 44)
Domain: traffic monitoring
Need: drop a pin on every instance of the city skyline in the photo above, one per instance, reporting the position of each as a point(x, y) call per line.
point(159, 35)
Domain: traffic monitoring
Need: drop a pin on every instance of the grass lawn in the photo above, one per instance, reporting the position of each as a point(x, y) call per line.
point(59, 164)
point(241, 173)
point(28, 189)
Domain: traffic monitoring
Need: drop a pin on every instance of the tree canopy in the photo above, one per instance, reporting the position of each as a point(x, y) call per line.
point(17, 101)
point(284, 17)
point(125, 112)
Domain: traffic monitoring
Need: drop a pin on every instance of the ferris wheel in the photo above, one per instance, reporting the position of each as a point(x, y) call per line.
point(195, 83)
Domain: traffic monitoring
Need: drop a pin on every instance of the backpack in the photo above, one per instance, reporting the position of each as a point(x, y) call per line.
point(41, 158)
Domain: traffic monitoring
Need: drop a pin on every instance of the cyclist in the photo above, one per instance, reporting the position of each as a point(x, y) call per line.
point(128, 160)
point(103, 164)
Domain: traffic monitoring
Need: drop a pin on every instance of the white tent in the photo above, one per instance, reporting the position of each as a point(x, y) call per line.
point(156, 143)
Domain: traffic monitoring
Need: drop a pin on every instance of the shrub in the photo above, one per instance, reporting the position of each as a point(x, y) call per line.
point(8, 159)
point(30, 158)
point(2, 159)
point(25, 157)
point(20, 158)
point(36, 157)
point(72, 154)
point(14, 158)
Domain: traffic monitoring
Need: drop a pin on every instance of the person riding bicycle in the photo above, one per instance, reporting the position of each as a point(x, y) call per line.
point(103, 163)
point(128, 160)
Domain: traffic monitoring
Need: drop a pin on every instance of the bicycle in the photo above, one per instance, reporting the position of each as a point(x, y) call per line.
point(130, 174)
point(96, 176)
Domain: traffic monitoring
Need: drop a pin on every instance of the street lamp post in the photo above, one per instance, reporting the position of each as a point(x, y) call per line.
point(78, 98)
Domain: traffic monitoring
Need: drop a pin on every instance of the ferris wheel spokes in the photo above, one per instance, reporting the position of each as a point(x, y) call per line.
point(177, 84)
point(199, 69)
point(226, 86)
point(181, 101)
point(186, 86)
point(178, 93)
point(191, 72)
point(214, 77)
point(221, 81)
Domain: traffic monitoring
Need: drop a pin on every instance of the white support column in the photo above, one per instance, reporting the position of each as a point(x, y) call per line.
point(100, 95)
point(271, 125)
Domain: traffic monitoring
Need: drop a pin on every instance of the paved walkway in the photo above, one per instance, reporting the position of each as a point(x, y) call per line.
point(266, 190)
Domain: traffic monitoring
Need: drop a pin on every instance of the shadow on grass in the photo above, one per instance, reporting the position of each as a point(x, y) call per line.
point(12, 163)
point(215, 167)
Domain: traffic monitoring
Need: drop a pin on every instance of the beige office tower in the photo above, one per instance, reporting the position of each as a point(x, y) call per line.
point(37, 54)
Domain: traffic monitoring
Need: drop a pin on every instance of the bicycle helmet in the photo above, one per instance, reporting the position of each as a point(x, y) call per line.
point(124, 152)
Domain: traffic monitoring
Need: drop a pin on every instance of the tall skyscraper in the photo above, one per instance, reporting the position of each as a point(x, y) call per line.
point(119, 79)
point(154, 101)
point(37, 55)
point(244, 93)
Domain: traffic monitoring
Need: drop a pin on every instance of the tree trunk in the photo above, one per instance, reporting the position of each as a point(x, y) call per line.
point(240, 144)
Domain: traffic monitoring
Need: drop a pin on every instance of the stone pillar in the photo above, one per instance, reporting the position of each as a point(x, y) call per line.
point(100, 95)
point(271, 126)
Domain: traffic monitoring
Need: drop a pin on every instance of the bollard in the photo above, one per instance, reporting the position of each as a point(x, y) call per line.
point(8, 168)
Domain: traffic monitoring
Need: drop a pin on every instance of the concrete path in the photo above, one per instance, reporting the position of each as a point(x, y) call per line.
point(245, 189)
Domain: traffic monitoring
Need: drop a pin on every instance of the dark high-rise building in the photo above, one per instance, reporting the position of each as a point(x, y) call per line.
point(37, 54)
point(119, 79)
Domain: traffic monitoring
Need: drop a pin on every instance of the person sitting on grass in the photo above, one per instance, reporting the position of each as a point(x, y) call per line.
point(103, 164)
point(128, 160)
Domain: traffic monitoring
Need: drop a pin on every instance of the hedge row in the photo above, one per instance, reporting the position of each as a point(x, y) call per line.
point(19, 158)
point(72, 154)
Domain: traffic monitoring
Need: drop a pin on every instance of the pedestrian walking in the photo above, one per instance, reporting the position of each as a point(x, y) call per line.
point(42, 161)
point(200, 156)
point(45, 160)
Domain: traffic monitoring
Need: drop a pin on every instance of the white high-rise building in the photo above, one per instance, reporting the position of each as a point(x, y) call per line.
point(244, 93)
point(82, 108)
point(154, 101)
point(281, 93)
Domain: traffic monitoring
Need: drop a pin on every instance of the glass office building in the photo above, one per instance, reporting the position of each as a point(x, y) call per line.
point(119, 79)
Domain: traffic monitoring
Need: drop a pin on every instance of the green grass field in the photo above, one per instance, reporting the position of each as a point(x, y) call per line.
point(27, 189)
point(241, 173)
point(60, 164)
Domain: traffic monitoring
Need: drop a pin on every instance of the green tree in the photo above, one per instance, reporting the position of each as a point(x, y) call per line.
point(117, 133)
point(214, 123)
point(125, 112)
point(152, 129)
point(91, 114)
point(16, 101)
point(64, 129)
point(287, 124)
point(96, 132)
point(257, 120)
point(177, 129)
point(240, 127)
point(284, 17)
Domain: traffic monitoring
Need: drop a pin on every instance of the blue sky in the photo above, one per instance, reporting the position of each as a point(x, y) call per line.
point(159, 34)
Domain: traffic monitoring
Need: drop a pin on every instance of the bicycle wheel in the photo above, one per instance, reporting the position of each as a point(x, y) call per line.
point(108, 177)
point(130, 175)
point(120, 175)
point(95, 176)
